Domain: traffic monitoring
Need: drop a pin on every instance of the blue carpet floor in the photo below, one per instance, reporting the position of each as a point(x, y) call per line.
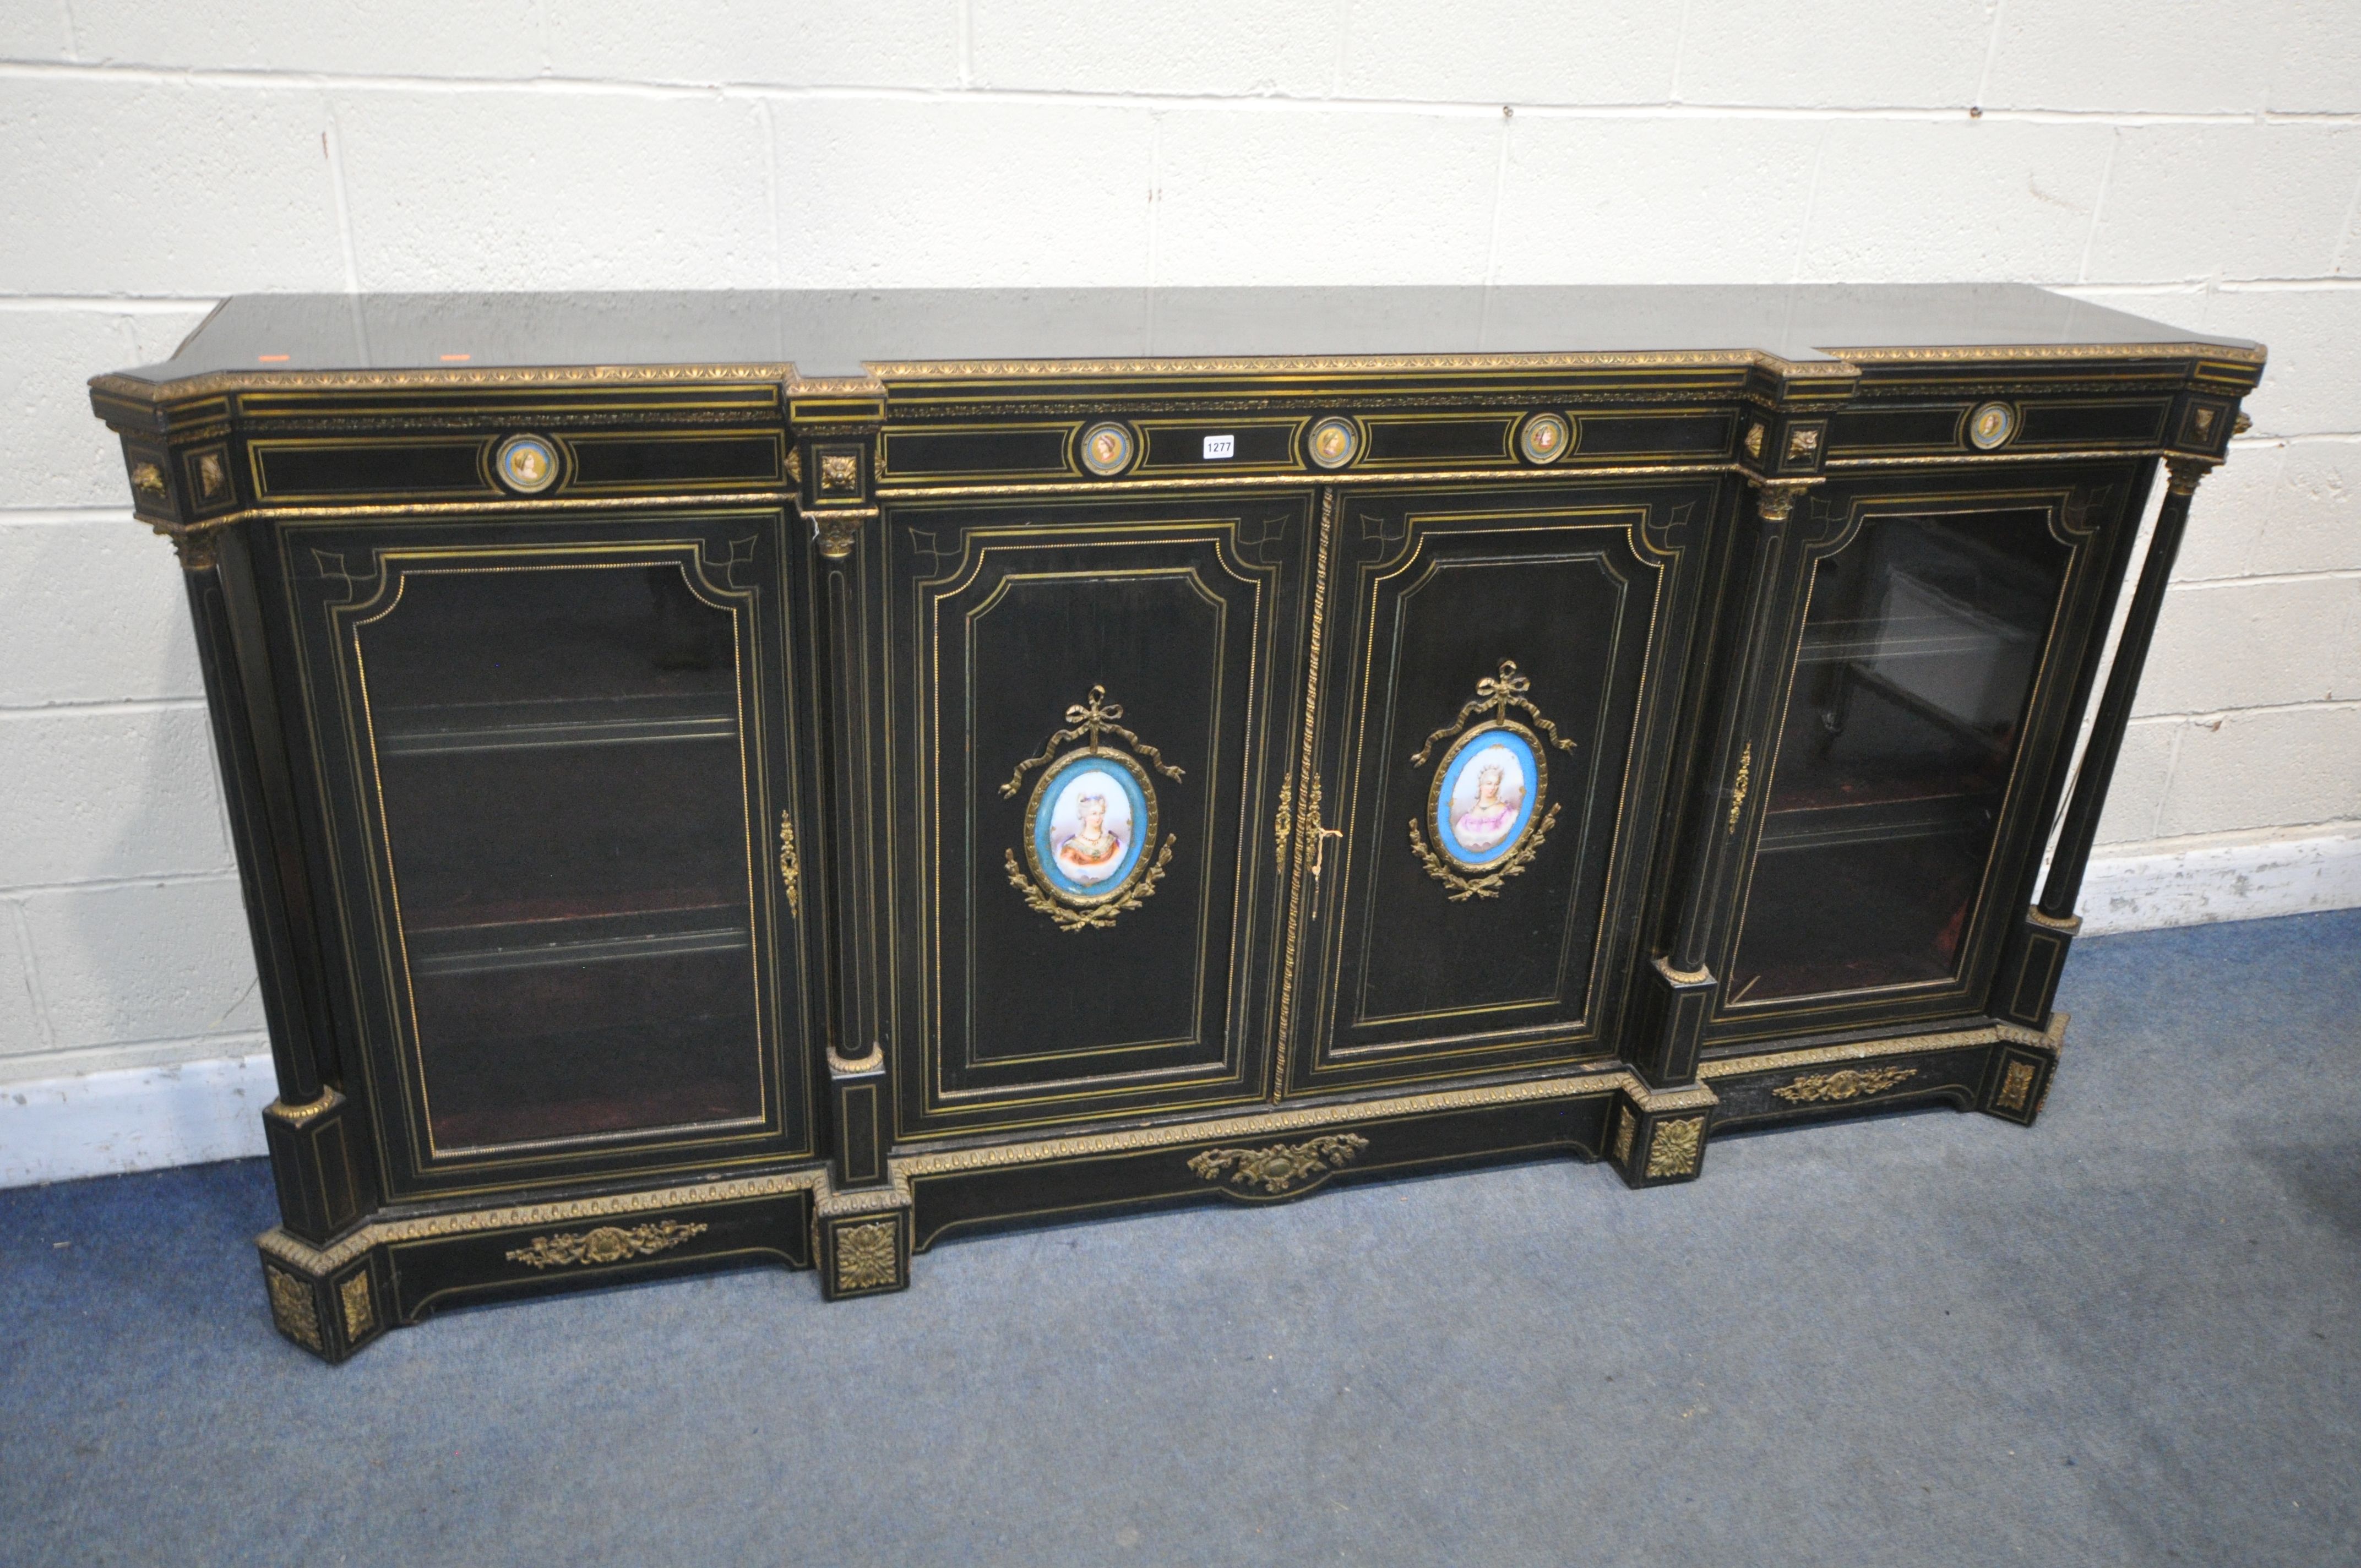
point(2130, 1335)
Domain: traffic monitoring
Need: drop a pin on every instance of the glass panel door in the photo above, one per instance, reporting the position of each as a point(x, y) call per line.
point(566, 773)
point(1921, 647)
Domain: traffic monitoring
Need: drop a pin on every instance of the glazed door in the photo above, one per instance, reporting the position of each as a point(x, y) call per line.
point(560, 765)
point(1921, 685)
point(1088, 726)
point(1499, 691)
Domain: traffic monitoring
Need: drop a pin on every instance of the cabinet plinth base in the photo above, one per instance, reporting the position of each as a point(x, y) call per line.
point(396, 1270)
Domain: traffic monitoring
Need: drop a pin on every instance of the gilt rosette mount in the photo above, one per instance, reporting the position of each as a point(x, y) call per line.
point(1488, 805)
point(1090, 820)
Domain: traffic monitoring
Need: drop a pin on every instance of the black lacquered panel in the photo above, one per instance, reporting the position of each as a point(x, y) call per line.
point(298, 470)
point(958, 452)
point(1093, 695)
point(647, 460)
point(1496, 702)
point(1922, 644)
point(564, 769)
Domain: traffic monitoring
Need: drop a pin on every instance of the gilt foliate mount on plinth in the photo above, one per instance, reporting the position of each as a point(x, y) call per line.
point(1091, 821)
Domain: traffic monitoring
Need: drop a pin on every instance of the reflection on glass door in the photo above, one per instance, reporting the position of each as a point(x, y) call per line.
point(562, 772)
point(1920, 649)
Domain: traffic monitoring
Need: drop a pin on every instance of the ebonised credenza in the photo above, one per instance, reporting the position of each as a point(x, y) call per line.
point(793, 776)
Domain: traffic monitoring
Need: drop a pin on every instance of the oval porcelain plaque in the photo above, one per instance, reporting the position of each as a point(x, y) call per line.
point(1089, 824)
point(1487, 793)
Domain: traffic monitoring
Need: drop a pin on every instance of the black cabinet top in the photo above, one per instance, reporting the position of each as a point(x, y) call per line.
point(820, 334)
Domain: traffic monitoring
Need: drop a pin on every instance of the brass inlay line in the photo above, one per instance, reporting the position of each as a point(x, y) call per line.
point(836, 527)
point(539, 506)
point(1298, 481)
point(1949, 457)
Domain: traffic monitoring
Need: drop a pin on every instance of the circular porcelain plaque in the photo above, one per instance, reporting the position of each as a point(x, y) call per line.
point(1335, 443)
point(1544, 438)
point(1107, 448)
point(526, 463)
point(1991, 426)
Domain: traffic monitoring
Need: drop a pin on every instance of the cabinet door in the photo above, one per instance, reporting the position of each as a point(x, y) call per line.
point(1088, 717)
point(1919, 688)
point(1499, 688)
point(559, 764)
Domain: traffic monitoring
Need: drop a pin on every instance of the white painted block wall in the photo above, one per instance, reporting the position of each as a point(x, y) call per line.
point(2198, 162)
